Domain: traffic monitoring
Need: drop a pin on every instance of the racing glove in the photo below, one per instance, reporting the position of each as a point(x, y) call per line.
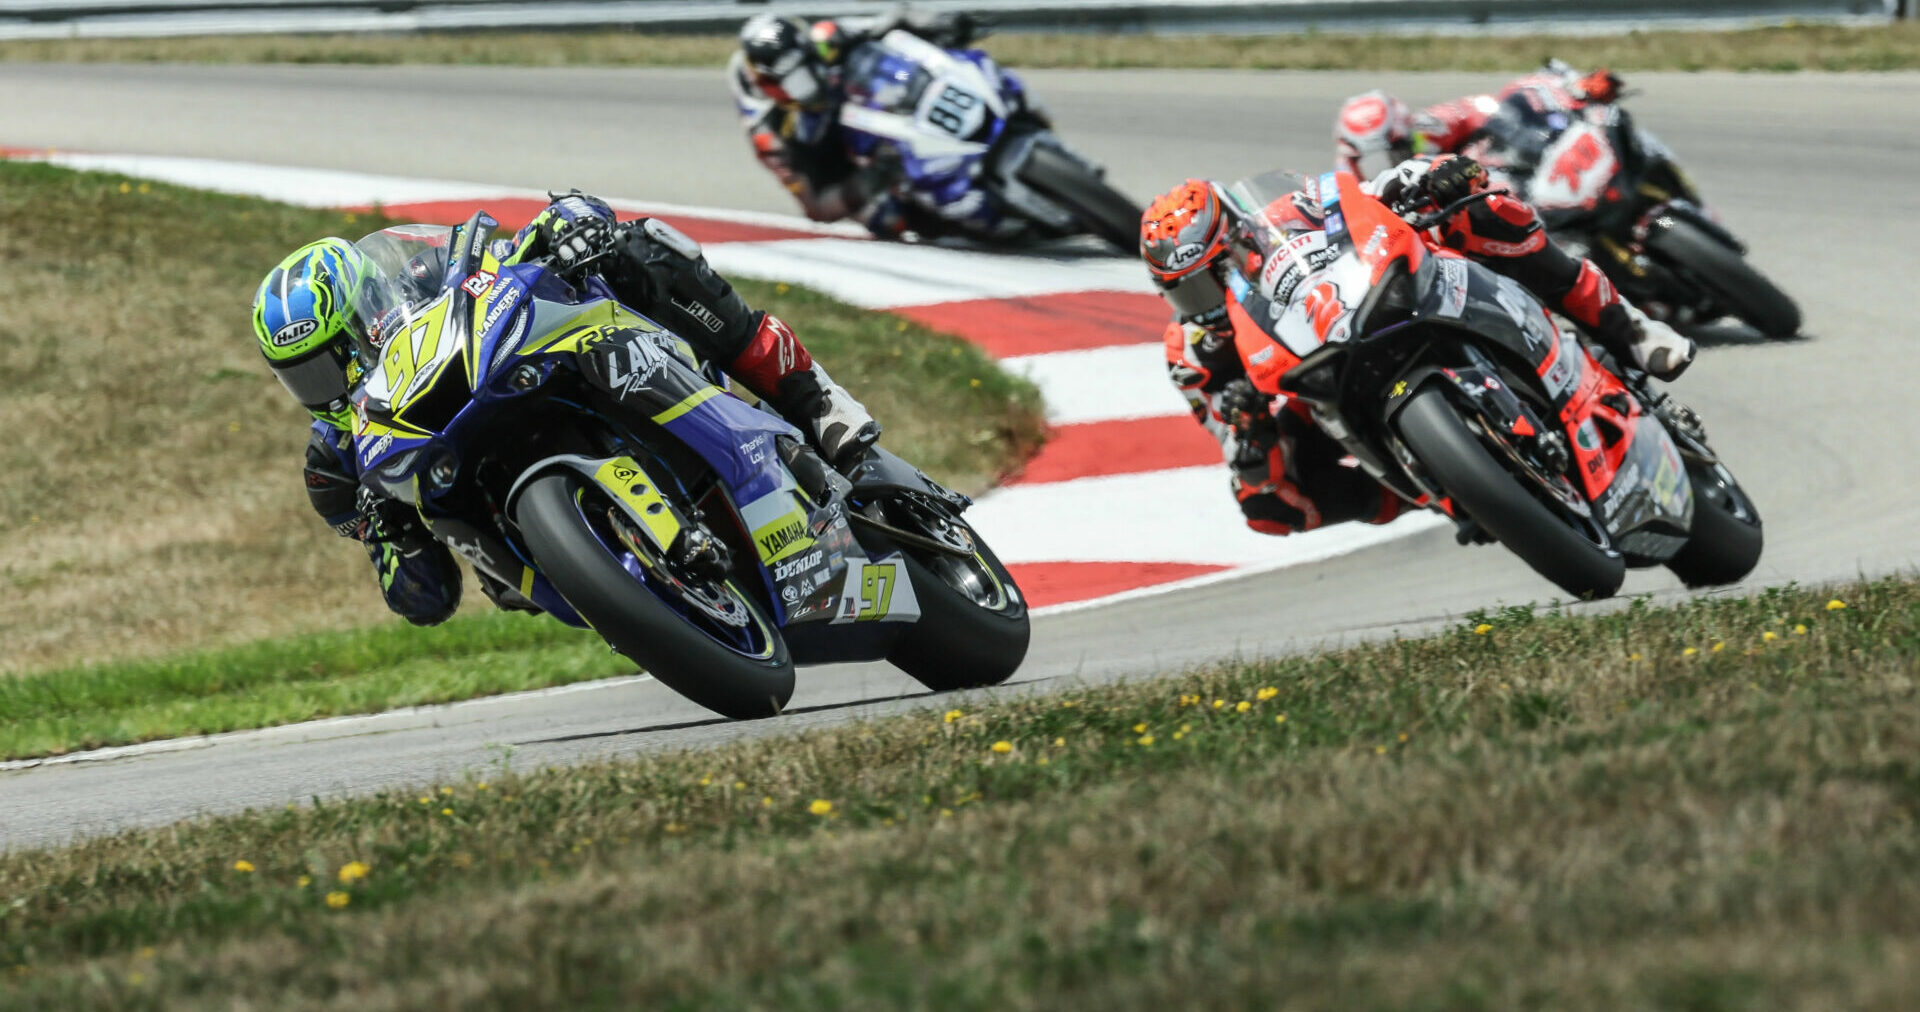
point(1454, 177)
point(1249, 415)
point(390, 521)
point(579, 245)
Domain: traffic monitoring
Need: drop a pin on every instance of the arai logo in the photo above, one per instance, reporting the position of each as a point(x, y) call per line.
point(1185, 256)
point(295, 332)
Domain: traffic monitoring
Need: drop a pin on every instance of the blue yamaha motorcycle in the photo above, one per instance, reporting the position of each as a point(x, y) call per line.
point(970, 150)
point(581, 456)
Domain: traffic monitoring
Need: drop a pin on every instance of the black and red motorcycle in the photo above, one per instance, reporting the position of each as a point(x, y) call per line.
point(1452, 385)
point(1611, 191)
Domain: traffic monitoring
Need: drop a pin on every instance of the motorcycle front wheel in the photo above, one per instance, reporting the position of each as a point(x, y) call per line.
point(1736, 285)
point(1725, 542)
point(708, 641)
point(1103, 210)
point(1497, 500)
point(973, 629)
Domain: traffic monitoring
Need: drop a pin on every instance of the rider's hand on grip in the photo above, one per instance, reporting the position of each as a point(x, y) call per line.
point(581, 244)
point(1249, 413)
point(383, 519)
point(1454, 178)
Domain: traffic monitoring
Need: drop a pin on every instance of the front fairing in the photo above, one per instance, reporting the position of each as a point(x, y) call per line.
point(935, 112)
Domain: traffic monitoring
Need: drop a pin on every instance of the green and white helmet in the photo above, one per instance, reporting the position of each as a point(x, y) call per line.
point(311, 315)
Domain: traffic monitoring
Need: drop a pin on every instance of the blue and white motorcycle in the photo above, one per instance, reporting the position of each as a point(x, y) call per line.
point(581, 456)
point(970, 150)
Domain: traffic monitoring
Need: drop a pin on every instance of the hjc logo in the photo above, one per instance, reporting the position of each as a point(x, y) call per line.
point(1323, 307)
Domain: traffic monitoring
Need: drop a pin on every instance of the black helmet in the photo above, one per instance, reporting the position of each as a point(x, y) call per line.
point(782, 59)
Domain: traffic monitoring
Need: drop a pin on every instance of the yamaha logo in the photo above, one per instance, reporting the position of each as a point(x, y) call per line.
point(294, 333)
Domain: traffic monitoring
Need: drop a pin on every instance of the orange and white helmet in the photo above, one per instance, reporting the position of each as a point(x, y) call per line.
point(1370, 124)
point(1183, 230)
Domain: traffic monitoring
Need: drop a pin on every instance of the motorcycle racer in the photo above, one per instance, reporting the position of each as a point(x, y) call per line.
point(1376, 123)
point(312, 323)
point(1288, 475)
point(787, 86)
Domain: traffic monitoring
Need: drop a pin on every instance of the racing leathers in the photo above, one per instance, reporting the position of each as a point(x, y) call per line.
point(1448, 127)
point(1288, 474)
point(654, 269)
point(802, 143)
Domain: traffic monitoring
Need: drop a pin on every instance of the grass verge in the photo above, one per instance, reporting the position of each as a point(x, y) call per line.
point(1705, 807)
point(1788, 48)
point(152, 499)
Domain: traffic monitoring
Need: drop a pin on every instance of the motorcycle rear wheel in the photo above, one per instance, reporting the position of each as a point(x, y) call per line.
point(1103, 210)
point(1736, 285)
point(552, 514)
point(1725, 543)
point(1495, 498)
point(973, 629)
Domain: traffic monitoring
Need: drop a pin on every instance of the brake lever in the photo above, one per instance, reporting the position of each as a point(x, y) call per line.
point(1432, 218)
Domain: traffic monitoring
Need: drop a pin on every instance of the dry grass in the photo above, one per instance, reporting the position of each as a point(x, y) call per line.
point(1800, 47)
point(152, 500)
point(1551, 813)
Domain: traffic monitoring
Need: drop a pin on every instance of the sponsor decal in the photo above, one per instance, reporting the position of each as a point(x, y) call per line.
point(1399, 390)
point(1586, 436)
point(1515, 300)
point(782, 537)
point(295, 332)
point(504, 299)
point(375, 449)
point(1374, 241)
point(755, 449)
point(1336, 223)
point(791, 595)
point(477, 283)
point(1453, 282)
point(644, 359)
point(699, 312)
point(794, 567)
point(1624, 484)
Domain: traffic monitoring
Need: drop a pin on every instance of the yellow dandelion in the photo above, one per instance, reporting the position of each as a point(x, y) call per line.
point(351, 217)
point(1147, 740)
point(946, 813)
point(974, 382)
point(1059, 743)
point(1633, 657)
point(243, 866)
point(304, 881)
point(706, 781)
point(1717, 647)
point(1379, 750)
point(1279, 718)
point(1139, 729)
point(1266, 693)
point(821, 806)
point(1184, 728)
point(1769, 636)
point(446, 811)
point(1177, 735)
point(338, 900)
point(739, 785)
point(1836, 605)
point(1482, 629)
point(353, 871)
point(1403, 737)
point(1689, 652)
point(766, 802)
point(481, 786)
point(1068, 704)
point(1218, 703)
point(144, 188)
point(1799, 630)
point(446, 791)
point(953, 715)
point(1242, 706)
point(126, 188)
point(782, 288)
point(672, 827)
point(1042, 761)
point(426, 801)
point(233, 426)
point(1003, 747)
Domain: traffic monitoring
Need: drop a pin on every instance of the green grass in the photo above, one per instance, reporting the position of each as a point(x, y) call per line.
point(282, 681)
point(1705, 807)
point(1788, 48)
point(152, 502)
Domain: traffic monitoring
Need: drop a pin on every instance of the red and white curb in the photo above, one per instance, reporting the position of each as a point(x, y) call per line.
point(1127, 498)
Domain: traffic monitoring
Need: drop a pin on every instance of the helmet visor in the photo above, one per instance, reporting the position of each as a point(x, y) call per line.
point(316, 381)
point(406, 266)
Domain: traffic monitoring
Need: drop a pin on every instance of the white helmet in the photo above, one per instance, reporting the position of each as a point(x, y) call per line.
point(1373, 123)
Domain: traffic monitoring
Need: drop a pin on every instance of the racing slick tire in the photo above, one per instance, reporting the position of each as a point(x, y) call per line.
point(973, 629)
point(1726, 539)
point(635, 621)
point(1103, 210)
point(1494, 497)
point(1735, 284)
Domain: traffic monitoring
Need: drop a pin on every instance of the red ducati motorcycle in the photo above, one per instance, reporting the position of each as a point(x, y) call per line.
point(1452, 384)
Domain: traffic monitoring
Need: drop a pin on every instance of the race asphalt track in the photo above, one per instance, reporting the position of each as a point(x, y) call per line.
point(1815, 171)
